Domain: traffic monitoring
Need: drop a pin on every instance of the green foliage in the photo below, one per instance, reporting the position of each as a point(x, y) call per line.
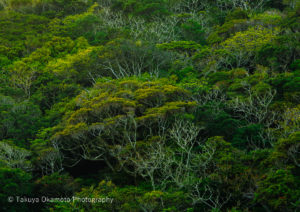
point(48, 8)
point(146, 8)
point(279, 190)
point(112, 104)
point(19, 121)
point(81, 25)
point(56, 185)
point(237, 14)
point(226, 30)
point(286, 150)
point(247, 136)
point(128, 198)
point(193, 31)
point(250, 40)
point(279, 54)
point(124, 58)
point(20, 34)
point(287, 85)
point(221, 124)
point(14, 157)
point(269, 18)
point(178, 105)
point(14, 182)
point(181, 46)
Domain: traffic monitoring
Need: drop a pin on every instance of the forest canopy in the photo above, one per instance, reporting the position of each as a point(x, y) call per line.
point(150, 105)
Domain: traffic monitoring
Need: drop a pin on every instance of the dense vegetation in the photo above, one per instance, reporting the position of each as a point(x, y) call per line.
point(162, 105)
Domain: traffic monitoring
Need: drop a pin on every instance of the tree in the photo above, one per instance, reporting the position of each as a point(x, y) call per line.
point(19, 120)
point(14, 182)
point(136, 108)
point(145, 8)
point(243, 46)
point(15, 157)
point(279, 190)
point(287, 151)
point(56, 185)
point(23, 76)
point(123, 58)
